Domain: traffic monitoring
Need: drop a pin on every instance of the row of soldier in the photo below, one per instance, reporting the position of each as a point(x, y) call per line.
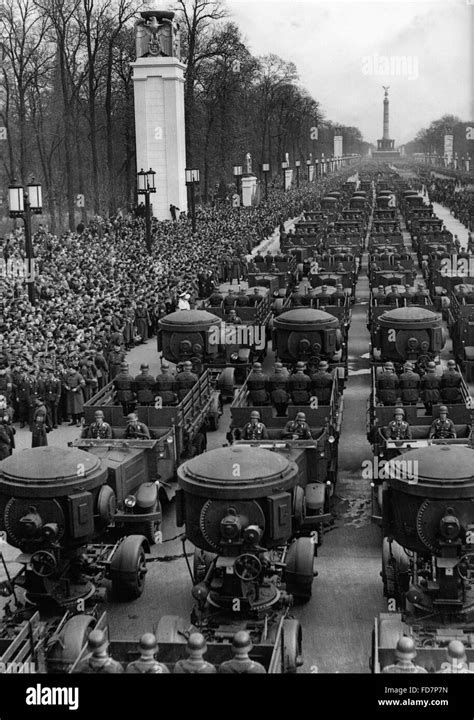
point(409, 295)
point(280, 387)
point(99, 661)
point(144, 389)
point(409, 387)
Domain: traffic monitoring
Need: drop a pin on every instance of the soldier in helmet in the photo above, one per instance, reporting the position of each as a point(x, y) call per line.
point(451, 381)
point(165, 385)
point(144, 386)
point(278, 388)
point(195, 663)
point(241, 663)
point(124, 394)
point(398, 428)
point(321, 383)
point(405, 653)
point(393, 297)
point(255, 430)
point(257, 383)
point(147, 664)
point(409, 385)
point(185, 380)
point(430, 387)
point(299, 385)
point(135, 429)
point(442, 427)
point(99, 429)
point(98, 660)
point(456, 659)
point(297, 429)
point(387, 385)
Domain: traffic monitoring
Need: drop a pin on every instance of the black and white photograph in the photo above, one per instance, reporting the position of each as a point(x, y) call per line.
point(237, 349)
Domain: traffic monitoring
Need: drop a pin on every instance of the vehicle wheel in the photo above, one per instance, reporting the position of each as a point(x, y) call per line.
point(201, 563)
point(128, 569)
point(199, 444)
point(151, 530)
point(69, 643)
point(299, 572)
point(292, 646)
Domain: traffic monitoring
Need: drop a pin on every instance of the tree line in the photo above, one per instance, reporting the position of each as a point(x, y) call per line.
point(67, 103)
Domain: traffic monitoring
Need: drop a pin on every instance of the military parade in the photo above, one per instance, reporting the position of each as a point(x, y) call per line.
point(236, 402)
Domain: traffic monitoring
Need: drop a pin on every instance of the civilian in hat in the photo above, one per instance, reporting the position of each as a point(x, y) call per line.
point(7, 436)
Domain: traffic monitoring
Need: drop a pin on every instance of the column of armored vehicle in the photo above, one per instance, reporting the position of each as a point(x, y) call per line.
point(420, 426)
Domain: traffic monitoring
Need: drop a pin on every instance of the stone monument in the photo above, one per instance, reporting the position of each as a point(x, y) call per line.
point(158, 82)
point(248, 183)
point(386, 146)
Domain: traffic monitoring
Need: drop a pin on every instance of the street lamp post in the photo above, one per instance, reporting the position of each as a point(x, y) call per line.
point(23, 202)
point(284, 167)
point(192, 178)
point(238, 172)
point(145, 186)
point(297, 166)
point(266, 170)
point(308, 165)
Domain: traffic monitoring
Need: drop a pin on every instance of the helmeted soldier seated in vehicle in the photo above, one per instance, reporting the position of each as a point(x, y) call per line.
point(195, 664)
point(387, 385)
point(430, 387)
point(254, 429)
point(278, 389)
point(233, 318)
point(451, 381)
point(124, 394)
point(442, 427)
point(144, 386)
point(98, 660)
point(398, 428)
point(255, 298)
point(241, 663)
point(242, 300)
point(165, 386)
point(409, 385)
point(299, 385)
point(135, 429)
point(321, 383)
point(421, 294)
point(185, 380)
point(297, 429)
point(147, 664)
point(230, 299)
point(393, 297)
point(99, 429)
point(405, 653)
point(456, 660)
point(257, 383)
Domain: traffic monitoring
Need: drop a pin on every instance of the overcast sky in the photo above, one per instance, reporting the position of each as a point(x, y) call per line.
point(339, 48)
